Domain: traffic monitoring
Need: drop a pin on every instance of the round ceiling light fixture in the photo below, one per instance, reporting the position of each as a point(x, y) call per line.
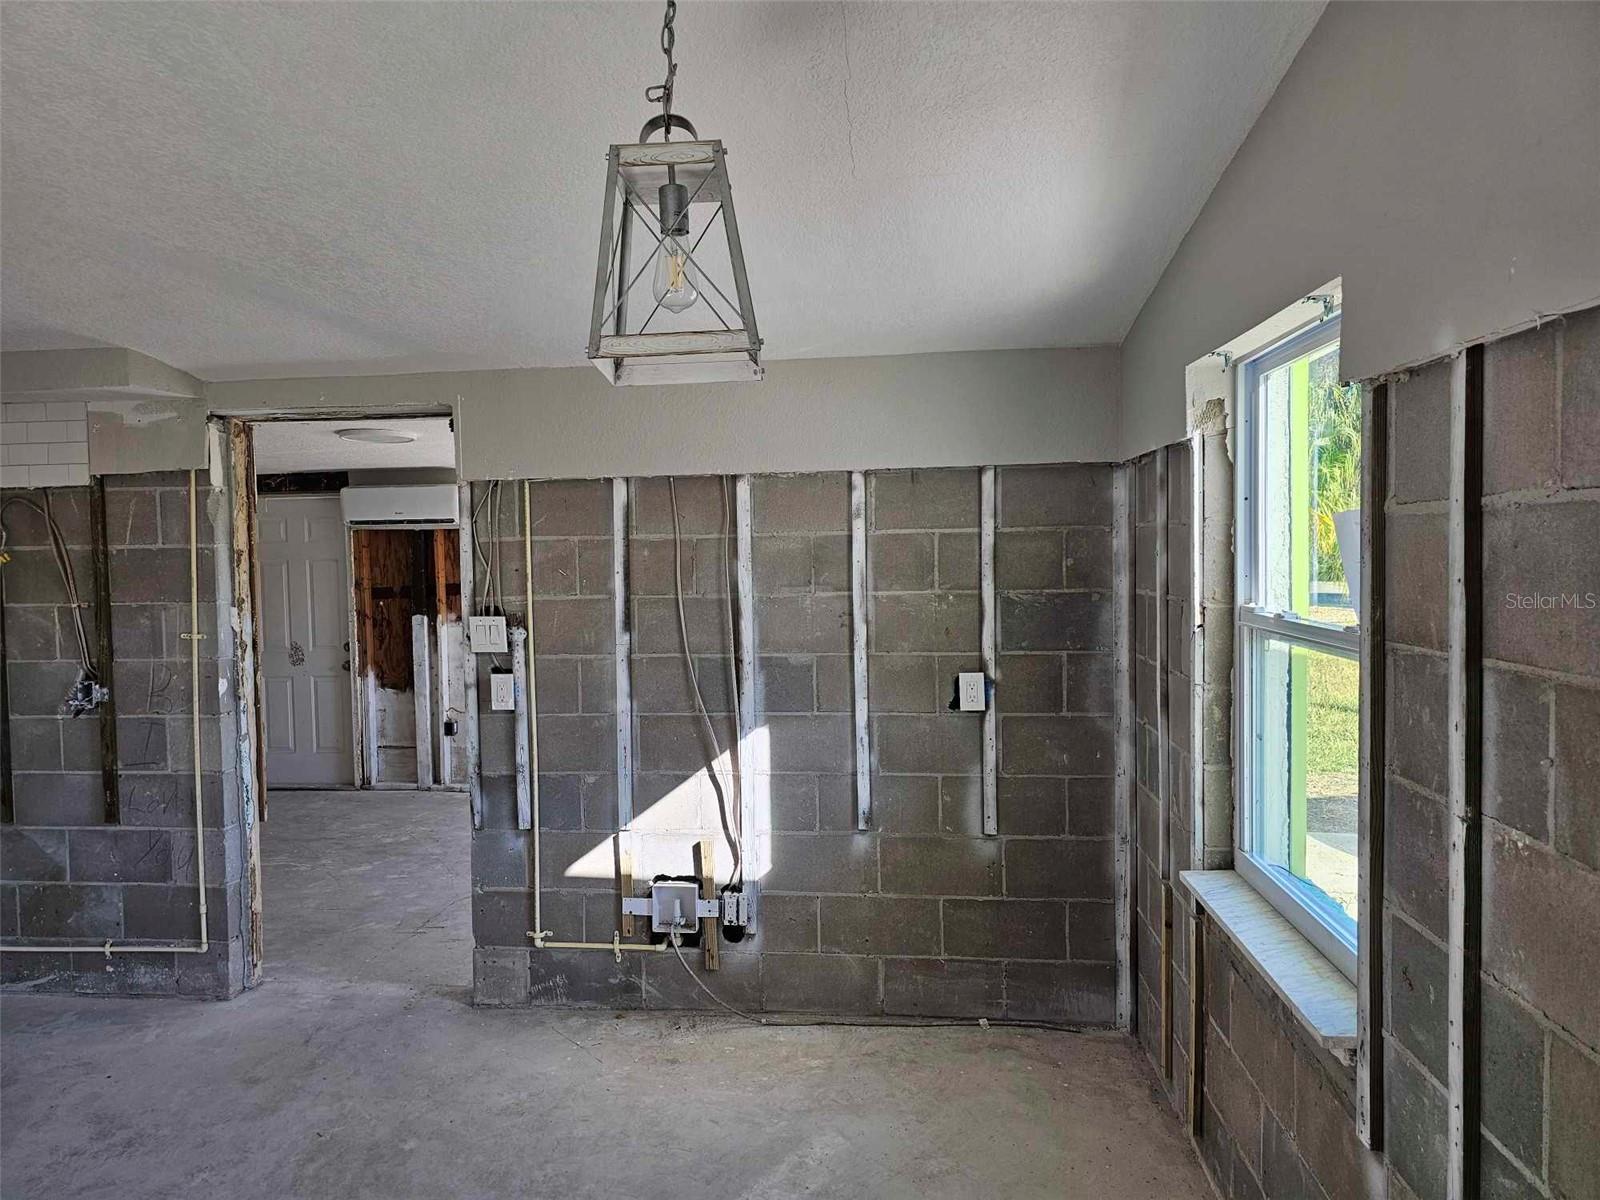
point(382, 437)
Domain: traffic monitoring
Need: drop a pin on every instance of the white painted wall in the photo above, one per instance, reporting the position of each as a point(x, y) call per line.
point(925, 410)
point(1443, 158)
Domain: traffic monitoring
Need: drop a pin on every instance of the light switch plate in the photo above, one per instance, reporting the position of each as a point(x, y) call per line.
point(972, 691)
point(502, 691)
point(487, 635)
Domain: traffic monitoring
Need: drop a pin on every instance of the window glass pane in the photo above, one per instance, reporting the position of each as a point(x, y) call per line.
point(1309, 513)
point(1305, 705)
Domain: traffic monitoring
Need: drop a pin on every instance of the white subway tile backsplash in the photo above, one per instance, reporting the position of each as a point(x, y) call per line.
point(69, 452)
point(67, 410)
point(48, 431)
point(14, 410)
point(24, 454)
point(14, 477)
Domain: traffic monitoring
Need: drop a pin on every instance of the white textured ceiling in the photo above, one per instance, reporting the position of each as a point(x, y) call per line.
point(316, 446)
point(275, 189)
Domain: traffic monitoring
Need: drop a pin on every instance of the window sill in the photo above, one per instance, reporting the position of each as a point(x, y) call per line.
point(1313, 988)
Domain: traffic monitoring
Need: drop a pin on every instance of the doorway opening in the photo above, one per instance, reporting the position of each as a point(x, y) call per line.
point(359, 696)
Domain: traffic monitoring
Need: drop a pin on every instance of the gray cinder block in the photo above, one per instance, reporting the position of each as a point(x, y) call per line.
point(879, 925)
point(500, 978)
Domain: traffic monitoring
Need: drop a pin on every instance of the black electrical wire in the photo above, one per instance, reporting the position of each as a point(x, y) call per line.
point(58, 547)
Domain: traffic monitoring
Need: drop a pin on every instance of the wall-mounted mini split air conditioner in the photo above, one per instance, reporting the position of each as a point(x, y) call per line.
point(430, 504)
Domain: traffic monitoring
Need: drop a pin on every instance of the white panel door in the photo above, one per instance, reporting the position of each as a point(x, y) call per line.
point(305, 660)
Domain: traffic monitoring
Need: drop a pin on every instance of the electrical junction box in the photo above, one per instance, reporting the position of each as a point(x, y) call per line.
point(486, 635)
point(674, 905)
point(972, 692)
point(502, 691)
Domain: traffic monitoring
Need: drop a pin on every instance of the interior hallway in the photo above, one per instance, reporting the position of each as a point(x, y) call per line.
point(358, 1069)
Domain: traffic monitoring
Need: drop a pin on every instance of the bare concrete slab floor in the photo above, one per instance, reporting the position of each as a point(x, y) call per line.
point(359, 1070)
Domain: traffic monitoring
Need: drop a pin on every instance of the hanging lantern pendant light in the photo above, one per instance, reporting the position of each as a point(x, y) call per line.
point(722, 343)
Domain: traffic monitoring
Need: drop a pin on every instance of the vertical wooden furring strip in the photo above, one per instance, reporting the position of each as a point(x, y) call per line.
point(105, 655)
point(754, 763)
point(1163, 762)
point(705, 866)
point(858, 648)
point(445, 767)
point(469, 667)
point(990, 639)
point(1195, 814)
point(532, 663)
point(1197, 1023)
point(1197, 657)
point(624, 672)
point(1370, 814)
point(518, 637)
point(7, 811)
point(1122, 646)
point(1466, 750)
point(422, 695)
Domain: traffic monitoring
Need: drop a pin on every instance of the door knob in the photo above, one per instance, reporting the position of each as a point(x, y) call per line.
point(345, 665)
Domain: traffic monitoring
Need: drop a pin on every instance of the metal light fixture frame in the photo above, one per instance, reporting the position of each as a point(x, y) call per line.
point(637, 356)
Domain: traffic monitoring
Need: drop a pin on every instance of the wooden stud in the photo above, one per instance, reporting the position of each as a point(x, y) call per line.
point(1370, 814)
point(1466, 750)
point(1123, 600)
point(705, 867)
point(250, 745)
point(105, 656)
point(469, 671)
point(532, 724)
point(624, 672)
point(753, 746)
point(990, 639)
point(7, 813)
point(1197, 1023)
point(422, 696)
point(858, 648)
point(1163, 762)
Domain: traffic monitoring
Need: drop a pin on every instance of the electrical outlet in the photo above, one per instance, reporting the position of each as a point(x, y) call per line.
point(972, 691)
point(502, 691)
point(487, 635)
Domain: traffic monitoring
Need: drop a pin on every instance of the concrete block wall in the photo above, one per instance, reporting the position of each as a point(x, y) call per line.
point(1280, 1114)
point(76, 869)
point(1150, 748)
point(1541, 773)
point(921, 914)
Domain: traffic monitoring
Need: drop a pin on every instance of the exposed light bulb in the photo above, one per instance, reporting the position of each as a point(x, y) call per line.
point(676, 283)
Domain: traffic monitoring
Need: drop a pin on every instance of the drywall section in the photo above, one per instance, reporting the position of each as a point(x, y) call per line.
point(958, 409)
point(134, 414)
point(1279, 1114)
point(76, 866)
point(920, 914)
point(1402, 134)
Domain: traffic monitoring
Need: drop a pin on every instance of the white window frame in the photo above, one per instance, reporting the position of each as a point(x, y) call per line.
point(1306, 907)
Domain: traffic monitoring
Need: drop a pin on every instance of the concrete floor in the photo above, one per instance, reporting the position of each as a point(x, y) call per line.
point(358, 1069)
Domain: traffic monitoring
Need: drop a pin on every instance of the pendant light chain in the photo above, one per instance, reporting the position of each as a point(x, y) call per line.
point(661, 93)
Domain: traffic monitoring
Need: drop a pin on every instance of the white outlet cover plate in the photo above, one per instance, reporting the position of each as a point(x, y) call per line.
point(971, 688)
point(502, 691)
point(487, 635)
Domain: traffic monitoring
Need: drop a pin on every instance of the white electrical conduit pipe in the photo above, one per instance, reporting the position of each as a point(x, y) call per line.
point(528, 753)
point(193, 637)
